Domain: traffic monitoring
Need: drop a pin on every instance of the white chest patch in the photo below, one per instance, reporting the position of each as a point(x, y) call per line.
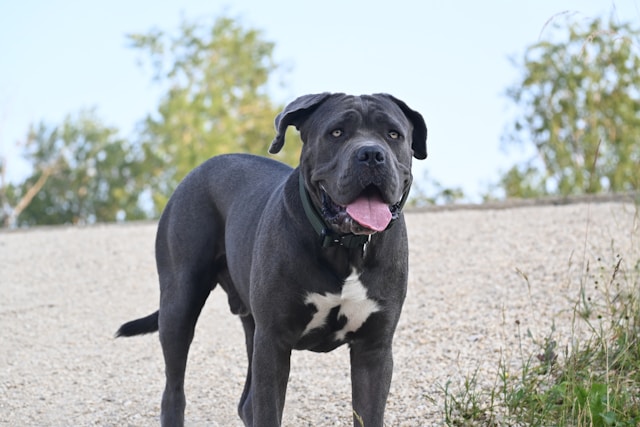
point(354, 305)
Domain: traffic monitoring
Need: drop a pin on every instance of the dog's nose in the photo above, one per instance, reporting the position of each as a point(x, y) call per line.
point(371, 155)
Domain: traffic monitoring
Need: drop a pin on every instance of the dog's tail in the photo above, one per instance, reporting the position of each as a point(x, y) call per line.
point(144, 325)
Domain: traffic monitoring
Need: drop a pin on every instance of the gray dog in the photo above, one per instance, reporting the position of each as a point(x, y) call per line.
point(310, 258)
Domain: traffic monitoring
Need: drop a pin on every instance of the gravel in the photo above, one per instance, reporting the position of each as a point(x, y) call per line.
point(479, 280)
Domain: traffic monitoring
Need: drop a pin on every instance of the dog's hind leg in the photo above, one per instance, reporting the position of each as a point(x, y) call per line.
point(186, 245)
point(179, 312)
point(244, 407)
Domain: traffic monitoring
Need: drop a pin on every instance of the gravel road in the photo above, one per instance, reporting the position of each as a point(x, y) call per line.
point(65, 290)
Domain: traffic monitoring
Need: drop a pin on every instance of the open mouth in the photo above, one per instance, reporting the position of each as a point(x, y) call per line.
point(367, 214)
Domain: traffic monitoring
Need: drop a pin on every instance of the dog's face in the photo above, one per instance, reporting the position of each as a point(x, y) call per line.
point(356, 159)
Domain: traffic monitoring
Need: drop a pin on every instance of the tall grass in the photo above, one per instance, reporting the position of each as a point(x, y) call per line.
point(594, 380)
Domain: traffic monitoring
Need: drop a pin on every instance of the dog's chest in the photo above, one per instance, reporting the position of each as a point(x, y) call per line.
point(340, 313)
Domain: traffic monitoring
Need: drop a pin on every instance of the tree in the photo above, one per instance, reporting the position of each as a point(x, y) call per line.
point(429, 191)
point(579, 102)
point(216, 100)
point(83, 173)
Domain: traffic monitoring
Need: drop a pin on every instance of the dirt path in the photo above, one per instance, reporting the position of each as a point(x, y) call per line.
point(64, 291)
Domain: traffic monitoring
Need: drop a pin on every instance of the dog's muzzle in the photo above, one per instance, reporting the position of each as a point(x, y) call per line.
point(367, 214)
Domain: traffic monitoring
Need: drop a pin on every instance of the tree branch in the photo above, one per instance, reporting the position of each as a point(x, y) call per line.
point(29, 195)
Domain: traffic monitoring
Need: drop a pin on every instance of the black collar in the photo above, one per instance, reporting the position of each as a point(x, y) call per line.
point(328, 237)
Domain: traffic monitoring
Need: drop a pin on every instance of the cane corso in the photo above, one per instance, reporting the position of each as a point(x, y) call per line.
point(311, 258)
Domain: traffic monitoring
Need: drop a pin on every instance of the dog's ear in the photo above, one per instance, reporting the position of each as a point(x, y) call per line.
point(294, 114)
point(419, 136)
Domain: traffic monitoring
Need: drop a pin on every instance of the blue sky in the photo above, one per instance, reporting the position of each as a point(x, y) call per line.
point(448, 60)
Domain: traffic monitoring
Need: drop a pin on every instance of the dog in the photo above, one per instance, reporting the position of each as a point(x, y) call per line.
point(311, 258)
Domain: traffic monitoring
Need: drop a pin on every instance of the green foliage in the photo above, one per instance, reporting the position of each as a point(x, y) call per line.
point(91, 174)
point(9, 197)
point(431, 192)
point(579, 106)
point(595, 383)
point(216, 99)
point(215, 79)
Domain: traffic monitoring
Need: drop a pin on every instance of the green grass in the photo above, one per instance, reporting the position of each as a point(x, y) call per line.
point(593, 381)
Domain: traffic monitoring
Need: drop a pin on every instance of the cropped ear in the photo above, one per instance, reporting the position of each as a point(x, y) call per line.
point(419, 136)
point(295, 114)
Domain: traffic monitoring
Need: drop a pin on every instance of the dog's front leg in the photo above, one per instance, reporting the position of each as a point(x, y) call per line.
point(371, 370)
point(270, 372)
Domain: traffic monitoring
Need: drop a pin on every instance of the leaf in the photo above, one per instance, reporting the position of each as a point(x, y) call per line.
point(609, 418)
point(579, 108)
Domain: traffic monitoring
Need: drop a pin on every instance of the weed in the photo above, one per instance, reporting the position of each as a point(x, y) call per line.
point(594, 381)
point(358, 418)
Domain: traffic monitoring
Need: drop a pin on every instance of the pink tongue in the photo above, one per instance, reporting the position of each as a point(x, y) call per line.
point(370, 212)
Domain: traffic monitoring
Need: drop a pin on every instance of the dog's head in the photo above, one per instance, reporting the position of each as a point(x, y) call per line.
point(356, 158)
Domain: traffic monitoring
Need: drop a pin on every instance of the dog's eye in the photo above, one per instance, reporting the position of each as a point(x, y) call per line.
point(394, 134)
point(337, 133)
